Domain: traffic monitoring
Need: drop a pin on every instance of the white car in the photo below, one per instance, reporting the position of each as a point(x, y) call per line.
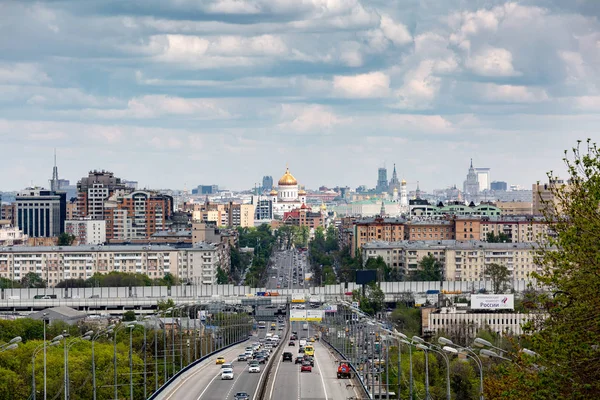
point(226, 373)
point(254, 368)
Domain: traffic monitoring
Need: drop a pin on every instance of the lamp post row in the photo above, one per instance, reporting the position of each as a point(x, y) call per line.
point(228, 330)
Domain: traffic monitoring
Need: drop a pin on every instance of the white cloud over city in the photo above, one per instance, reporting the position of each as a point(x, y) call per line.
point(181, 93)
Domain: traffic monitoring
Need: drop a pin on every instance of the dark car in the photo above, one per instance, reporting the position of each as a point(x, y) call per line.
point(299, 360)
point(291, 343)
point(261, 360)
point(287, 356)
point(301, 349)
point(309, 359)
point(241, 396)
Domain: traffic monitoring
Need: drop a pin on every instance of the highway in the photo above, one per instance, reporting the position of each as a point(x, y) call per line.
point(321, 383)
point(288, 271)
point(205, 383)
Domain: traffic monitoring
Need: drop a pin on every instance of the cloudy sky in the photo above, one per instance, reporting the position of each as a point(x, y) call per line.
point(187, 92)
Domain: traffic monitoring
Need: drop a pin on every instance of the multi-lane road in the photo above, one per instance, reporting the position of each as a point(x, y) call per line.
point(288, 271)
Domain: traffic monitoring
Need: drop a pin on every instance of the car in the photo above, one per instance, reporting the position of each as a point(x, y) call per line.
point(220, 360)
point(241, 396)
point(261, 360)
point(306, 367)
point(253, 368)
point(226, 374)
point(309, 359)
point(242, 357)
point(291, 343)
point(299, 360)
point(301, 349)
point(287, 356)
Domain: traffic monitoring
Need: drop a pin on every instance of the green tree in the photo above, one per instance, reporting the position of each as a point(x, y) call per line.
point(568, 366)
point(379, 264)
point(499, 275)
point(373, 300)
point(499, 238)
point(129, 316)
point(163, 305)
point(64, 239)
point(6, 283)
point(222, 277)
point(430, 269)
point(33, 280)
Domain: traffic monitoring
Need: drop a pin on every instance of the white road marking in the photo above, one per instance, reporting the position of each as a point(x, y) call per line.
point(321, 373)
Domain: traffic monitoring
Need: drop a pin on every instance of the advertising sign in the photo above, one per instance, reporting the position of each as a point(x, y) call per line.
point(330, 308)
point(308, 276)
point(297, 315)
point(492, 302)
point(298, 298)
point(314, 315)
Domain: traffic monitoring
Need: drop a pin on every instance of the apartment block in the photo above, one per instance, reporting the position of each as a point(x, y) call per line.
point(241, 215)
point(197, 264)
point(11, 235)
point(514, 207)
point(519, 229)
point(543, 196)
point(303, 216)
point(462, 261)
point(94, 190)
point(370, 229)
point(87, 231)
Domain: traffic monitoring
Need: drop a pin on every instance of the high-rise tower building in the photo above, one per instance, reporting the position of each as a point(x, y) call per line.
point(54, 182)
point(40, 212)
point(394, 182)
point(471, 185)
point(267, 183)
point(94, 190)
point(483, 177)
point(382, 182)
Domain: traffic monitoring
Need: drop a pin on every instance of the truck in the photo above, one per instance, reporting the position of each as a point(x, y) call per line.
point(343, 371)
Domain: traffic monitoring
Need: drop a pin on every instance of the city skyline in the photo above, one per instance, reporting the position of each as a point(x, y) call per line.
point(178, 94)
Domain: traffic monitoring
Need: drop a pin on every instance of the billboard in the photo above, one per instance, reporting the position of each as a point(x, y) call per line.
point(298, 298)
point(297, 315)
point(314, 315)
point(308, 276)
point(492, 301)
point(330, 308)
point(366, 276)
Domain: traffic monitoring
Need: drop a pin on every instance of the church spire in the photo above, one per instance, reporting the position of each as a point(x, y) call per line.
point(382, 211)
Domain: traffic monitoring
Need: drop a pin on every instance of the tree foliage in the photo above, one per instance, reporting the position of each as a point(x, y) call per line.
point(33, 280)
point(65, 239)
point(499, 238)
point(430, 269)
point(499, 275)
point(568, 366)
point(373, 300)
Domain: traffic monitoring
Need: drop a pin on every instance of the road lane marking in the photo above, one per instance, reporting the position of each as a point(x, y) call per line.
point(183, 381)
point(321, 373)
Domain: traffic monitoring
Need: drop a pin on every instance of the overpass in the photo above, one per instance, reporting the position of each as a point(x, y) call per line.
point(115, 300)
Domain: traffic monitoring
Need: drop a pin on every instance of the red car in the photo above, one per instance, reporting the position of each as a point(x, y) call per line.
point(305, 367)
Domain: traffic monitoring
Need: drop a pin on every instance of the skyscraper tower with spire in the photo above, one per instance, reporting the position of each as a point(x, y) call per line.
point(394, 182)
point(471, 185)
point(54, 183)
point(382, 185)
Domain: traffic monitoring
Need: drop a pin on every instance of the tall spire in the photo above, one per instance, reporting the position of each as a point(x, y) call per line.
point(382, 211)
point(471, 163)
point(54, 184)
point(394, 174)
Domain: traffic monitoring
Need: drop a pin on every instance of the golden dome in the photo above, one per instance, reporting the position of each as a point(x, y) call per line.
point(287, 179)
point(395, 189)
point(273, 192)
point(323, 206)
point(403, 182)
point(301, 192)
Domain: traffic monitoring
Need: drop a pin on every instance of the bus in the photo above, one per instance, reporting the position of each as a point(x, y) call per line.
point(309, 350)
point(262, 325)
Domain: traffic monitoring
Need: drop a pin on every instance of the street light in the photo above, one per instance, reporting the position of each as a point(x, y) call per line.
point(116, 330)
point(479, 342)
point(452, 348)
point(85, 336)
point(54, 342)
point(107, 331)
point(492, 354)
point(425, 349)
point(440, 351)
point(16, 340)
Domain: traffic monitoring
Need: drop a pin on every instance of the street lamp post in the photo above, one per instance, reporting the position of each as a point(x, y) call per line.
point(107, 331)
point(44, 316)
point(115, 378)
point(54, 342)
point(131, 361)
point(425, 350)
point(452, 348)
point(85, 336)
point(440, 351)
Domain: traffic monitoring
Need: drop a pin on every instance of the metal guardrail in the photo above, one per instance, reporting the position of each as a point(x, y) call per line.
point(262, 386)
point(356, 374)
point(178, 375)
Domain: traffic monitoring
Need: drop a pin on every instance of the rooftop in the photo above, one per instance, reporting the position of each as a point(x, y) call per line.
point(454, 244)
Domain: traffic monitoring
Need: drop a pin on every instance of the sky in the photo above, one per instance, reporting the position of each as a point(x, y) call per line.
point(177, 93)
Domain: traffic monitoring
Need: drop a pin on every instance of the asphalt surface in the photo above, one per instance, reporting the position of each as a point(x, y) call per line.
point(282, 274)
point(321, 383)
point(205, 382)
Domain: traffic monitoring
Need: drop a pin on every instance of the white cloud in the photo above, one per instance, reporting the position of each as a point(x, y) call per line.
point(492, 62)
point(309, 118)
point(397, 33)
point(513, 94)
point(371, 85)
point(153, 106)
point(22, 73)
point(420, 86)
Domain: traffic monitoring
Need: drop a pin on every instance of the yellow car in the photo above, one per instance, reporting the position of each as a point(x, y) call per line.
point(312, 339)
point(220, 360)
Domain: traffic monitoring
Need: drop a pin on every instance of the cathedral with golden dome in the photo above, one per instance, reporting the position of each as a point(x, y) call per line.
point(287, 197)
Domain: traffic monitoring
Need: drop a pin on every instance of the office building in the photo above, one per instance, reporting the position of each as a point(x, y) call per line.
point(471, 184)
point(498, 186)
point(94, 190)
point(40, 212)
point(267, 183)
point(382, 182)
point(263, 208)
point(483, 177)
point(241, 215)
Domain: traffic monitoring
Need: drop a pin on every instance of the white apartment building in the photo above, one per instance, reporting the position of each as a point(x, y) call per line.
point(54, 264)
point(87, 231)
point(11, 235)
point(462, 261)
